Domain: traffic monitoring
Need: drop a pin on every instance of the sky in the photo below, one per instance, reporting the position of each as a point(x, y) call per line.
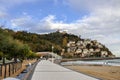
point(92, 19)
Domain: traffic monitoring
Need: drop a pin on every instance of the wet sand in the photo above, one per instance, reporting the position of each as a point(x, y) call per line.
point(101, 72)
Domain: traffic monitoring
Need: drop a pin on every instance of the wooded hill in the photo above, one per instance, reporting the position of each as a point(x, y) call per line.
point(13, 48)
point(43, 42)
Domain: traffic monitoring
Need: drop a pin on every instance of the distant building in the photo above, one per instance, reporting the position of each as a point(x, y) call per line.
point(64, 32)
point(97, 50)
point(62, 53)
point(104, 53)
point(91, 50)
point(43, 54)
point(78, 51)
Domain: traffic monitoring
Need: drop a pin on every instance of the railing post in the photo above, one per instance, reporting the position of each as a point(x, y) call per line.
point(1, 70)
point(5, 71)
point(12, 68)
point(15, 67)
point(9, 70)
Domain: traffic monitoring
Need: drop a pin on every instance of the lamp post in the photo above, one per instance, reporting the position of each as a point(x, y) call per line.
point(52, 53)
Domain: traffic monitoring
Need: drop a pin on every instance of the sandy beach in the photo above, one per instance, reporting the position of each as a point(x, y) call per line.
point(101, 72)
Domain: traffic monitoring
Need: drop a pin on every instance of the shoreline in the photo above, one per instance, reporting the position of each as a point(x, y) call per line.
point(98, 71)
point(88, 59)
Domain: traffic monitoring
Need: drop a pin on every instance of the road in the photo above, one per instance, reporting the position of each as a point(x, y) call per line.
point(46, 70)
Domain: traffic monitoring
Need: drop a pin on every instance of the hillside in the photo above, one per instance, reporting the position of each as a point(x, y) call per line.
point(13, 48)
point(87, 48)
point(44, 42)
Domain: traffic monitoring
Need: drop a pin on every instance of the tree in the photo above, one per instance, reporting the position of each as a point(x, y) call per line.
point(4, 44)
point(11, 47)
point(1, 55)
point(24, 51)
point(31, 55)
point(14, 50)
point(64, 42)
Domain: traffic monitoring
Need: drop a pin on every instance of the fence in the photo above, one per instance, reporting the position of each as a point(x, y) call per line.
point(9, 68)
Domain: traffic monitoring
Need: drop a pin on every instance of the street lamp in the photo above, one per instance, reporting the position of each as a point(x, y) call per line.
point(52, 52)
point(52, 48)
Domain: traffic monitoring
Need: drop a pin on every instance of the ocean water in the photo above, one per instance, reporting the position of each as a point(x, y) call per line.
point(112, 62)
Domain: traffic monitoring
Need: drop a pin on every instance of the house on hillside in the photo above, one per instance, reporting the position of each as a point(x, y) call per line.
point(86, 48)
point(100, 46)
point(78, 51)
point(104, 53)
point(97, 50)
point(71, 46)
point(85, 52)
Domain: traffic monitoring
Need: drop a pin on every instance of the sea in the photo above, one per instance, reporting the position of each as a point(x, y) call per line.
point(110, 62)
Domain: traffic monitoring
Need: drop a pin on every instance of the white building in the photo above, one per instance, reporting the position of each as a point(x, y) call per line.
point(85, 51)
point(79, 51)
point(100, 46)
point(104, 53)
point(68, 44)
point(97, 50)
point(91, 50)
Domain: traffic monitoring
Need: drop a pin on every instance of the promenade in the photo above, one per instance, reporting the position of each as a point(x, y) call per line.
point(46, 70)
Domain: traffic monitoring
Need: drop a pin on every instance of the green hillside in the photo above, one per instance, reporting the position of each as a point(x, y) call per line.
point(44, 42)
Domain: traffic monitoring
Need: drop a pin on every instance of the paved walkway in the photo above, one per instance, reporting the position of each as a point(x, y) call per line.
point(46, 70)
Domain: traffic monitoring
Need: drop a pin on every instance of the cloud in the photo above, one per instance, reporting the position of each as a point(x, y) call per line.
point(24, 22)
point(51, 23)
point(92, 4)
point(3, 14)
point(47, 24)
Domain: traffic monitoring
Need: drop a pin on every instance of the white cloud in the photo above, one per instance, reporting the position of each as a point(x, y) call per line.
point(53, 24)
point(24, 22)
point(47, 24)
point(92, 5)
